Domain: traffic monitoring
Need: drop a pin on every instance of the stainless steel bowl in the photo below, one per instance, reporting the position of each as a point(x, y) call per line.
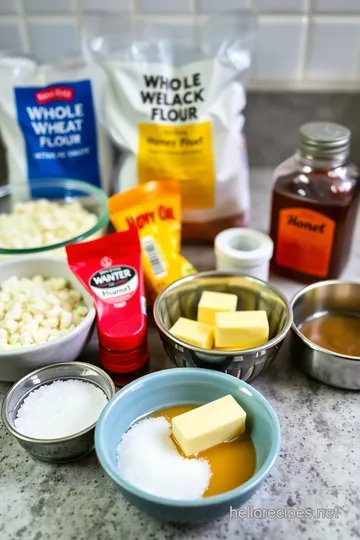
point(54, 450)
point(181, 299)
point(321, 364)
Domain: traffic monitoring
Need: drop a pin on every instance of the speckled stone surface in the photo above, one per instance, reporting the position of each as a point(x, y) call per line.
point(318, 467)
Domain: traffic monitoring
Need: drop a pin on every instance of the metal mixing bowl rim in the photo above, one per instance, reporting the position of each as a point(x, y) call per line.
point(50, 442)
point(78, 329)
point(298, 332)
point(236, 352)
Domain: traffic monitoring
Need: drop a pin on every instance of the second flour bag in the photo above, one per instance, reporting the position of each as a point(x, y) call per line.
point(173, 104)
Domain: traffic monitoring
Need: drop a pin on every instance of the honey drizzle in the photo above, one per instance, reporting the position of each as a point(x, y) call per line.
point(232, 462)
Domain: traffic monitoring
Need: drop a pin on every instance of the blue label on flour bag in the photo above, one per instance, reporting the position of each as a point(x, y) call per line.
point(59, 128)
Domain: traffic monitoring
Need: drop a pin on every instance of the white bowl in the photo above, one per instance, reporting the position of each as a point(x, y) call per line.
point(16, 363)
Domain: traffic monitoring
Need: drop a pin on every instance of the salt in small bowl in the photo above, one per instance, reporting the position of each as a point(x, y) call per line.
point(64, 449)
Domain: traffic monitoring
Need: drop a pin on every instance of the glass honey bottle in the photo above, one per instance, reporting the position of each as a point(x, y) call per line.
point(314, 205)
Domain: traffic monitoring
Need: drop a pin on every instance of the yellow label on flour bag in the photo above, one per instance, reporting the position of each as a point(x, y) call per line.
point(184, 153)
point(173, 103)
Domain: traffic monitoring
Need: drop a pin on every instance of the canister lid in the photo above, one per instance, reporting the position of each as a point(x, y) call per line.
point(247, 247)
point(324, 139)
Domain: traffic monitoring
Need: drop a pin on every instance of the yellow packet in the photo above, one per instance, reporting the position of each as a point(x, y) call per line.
point(155, 209)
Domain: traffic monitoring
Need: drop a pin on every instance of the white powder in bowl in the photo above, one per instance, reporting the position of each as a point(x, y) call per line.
point(148, 459)
point(60, 409)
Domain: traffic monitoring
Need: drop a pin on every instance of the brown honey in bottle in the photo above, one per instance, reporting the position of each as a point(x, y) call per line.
point(314, 205)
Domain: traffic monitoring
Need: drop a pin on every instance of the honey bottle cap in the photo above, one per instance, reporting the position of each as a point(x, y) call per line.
point(324, 140)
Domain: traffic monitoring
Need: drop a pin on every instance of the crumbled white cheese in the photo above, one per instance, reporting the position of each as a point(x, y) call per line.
point(42, 223)
point(37, 310)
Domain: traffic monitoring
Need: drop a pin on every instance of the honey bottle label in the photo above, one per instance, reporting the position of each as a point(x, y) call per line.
point(304, 241)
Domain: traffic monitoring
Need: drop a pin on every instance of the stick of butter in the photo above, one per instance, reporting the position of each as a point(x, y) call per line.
point(241, 329)
point(211, 302)
point(208, 425)
point(193, 332)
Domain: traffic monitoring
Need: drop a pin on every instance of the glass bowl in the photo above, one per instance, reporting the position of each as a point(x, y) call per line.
point(90, 197)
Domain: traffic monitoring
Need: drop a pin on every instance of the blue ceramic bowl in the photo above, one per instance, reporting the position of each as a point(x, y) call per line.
point(178, 387)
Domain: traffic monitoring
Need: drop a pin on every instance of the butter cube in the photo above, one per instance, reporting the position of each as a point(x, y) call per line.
point(209, 425)
point(213, 302)
point(241, 329)
point(193, 332)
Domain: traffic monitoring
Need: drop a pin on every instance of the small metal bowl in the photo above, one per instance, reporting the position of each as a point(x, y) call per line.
point(181, 299)
point(54, 450)
point(326, 366)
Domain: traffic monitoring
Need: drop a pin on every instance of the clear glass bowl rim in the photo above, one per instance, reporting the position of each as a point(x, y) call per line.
point(88, 189)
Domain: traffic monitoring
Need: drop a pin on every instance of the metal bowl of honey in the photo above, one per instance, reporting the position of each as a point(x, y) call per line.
point(181, 299)
point(325, 337)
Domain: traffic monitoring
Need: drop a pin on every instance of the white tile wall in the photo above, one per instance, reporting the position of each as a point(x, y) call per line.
point(214, 6)
point(56, 7)
point(278, 51)
point(117, 6)
point(280, 6)
point(337, 6)
point(8, 7)
point(165, 6)
point(300, 44)
point(60, 34)
point(334, 46)
point(10, 36)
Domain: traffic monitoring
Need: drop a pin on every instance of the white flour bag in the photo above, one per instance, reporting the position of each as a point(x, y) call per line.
point(173, 103)
point(48, 123)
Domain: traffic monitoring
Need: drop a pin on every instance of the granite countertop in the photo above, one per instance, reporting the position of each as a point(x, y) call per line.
point(318, 466)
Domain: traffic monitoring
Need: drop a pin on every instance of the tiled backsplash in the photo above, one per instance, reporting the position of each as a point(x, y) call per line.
point(301, 44)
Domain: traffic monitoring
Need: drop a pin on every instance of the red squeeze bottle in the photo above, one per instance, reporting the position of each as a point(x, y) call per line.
point(110, 269)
